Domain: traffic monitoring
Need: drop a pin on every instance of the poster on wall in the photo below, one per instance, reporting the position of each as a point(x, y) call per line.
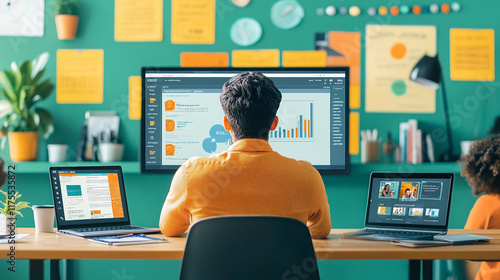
point(21, 18)
point(391, 54)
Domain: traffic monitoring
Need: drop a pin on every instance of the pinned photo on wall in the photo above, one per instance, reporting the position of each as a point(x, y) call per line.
point(22, 18)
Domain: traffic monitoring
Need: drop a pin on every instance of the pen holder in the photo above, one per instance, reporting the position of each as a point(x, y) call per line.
point(110, 152)
point(370, 151)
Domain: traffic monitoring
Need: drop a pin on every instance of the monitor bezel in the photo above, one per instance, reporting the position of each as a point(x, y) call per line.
point(321, 168)
point(410, 175)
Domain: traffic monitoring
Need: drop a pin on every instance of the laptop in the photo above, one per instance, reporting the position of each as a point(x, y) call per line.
point(90, 201)
point(406, 206)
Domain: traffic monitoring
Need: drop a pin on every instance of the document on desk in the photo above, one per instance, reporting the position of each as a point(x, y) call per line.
point(4, 239)
point(444, 240)
point(128, 240)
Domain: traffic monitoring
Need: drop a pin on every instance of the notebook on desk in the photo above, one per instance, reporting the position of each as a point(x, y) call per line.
point(90, 201)
point(406, 206)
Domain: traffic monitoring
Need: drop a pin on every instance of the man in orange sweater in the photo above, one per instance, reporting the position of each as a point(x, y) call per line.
point(250, 178)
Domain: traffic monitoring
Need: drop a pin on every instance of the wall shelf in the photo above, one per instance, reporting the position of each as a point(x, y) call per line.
point(133, 167)
point(41, 167)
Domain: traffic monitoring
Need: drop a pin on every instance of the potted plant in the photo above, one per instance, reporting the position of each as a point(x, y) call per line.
point(22, 90)
point(9, 210)
point(67, 18)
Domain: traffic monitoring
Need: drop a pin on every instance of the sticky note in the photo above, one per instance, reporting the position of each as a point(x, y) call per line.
point(138, 20)
point(304, 58)
point(354, 133)
point(204, 59)
point(80, 76)
point(134, 97)
point(193, 22)
point(256, 58)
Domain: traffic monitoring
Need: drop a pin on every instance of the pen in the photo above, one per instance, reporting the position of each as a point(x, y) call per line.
point(124, 235)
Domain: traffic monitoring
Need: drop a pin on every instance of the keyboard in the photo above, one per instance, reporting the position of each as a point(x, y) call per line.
point(399, 232)
point(92, 229)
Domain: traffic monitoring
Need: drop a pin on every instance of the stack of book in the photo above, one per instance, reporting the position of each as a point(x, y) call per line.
point(416, 146)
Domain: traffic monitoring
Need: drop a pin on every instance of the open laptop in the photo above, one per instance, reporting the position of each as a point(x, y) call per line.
point(406, 206)
point(90, 201)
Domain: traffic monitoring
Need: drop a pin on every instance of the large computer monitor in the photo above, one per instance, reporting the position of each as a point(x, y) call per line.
point(182, 116)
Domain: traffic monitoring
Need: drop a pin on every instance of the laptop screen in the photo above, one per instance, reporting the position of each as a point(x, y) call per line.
point(88, 195)
point(409, 200)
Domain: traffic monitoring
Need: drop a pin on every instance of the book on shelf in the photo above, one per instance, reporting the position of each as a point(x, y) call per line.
point(416, 146)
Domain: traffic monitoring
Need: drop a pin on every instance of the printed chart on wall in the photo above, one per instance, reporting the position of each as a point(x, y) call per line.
point(22, 18)
point(391, 53)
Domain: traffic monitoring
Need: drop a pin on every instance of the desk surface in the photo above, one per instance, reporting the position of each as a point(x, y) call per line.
point(55, 246)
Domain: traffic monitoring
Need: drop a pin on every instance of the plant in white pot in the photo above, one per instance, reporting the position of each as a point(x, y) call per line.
point(21, 119)
point(67, 12)
point(10, 208)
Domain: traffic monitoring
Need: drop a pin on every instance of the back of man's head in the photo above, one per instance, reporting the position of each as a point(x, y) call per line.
point(250, 101)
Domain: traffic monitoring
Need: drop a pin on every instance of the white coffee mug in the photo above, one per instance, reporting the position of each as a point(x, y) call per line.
point(57, 153)
point(44, 217)
point(110, 152)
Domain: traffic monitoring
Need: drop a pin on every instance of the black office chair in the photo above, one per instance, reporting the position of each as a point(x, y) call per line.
point(249, 247)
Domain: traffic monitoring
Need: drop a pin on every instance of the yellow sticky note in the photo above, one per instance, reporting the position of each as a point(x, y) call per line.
point(138, 20)
point(134, 97)
point(304, 58)
point(256, 58)
point(354, 133)
point(472, 54)
point(204, 59)
point(354, 96)
point(80, 76)
point(193, 22)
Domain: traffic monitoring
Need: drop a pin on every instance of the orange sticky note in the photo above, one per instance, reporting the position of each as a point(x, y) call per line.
point(193, 22)
point(354, 133)
point(256, 58)
point(204, 59)
point(138, 20)
point(134, 97)
point(304, 59)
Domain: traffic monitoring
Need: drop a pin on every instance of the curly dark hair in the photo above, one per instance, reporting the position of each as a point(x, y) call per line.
point(481, 167)
point(250, 101)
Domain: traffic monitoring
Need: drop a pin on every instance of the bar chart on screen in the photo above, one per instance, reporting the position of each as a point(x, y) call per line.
point(295, 122)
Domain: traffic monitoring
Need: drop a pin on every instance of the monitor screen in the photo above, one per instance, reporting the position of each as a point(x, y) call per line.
point(182, 116)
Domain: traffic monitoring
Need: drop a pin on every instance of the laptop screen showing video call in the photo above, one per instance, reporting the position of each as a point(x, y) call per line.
point(413, 201)
point(84, 196)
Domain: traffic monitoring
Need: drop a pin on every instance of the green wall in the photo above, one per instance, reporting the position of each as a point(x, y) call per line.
point(147, 192)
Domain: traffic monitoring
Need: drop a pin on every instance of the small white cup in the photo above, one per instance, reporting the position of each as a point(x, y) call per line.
point(110, 152)
point(57, 152)
point(44, 217)
point(465, 146)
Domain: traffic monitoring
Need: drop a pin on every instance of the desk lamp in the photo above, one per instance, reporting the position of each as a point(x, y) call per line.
point(427, 72)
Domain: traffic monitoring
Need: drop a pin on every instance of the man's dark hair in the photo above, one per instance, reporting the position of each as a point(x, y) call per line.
point(250, 101)
point(481, 166)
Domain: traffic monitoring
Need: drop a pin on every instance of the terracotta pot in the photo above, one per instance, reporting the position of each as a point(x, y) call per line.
point(23, 145)
point(66, 26)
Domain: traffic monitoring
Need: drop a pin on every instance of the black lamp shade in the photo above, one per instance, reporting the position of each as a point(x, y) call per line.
point(427, 72)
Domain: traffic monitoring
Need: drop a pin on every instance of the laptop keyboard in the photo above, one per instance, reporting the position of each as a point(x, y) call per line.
point(106, 228)
point(398, 232)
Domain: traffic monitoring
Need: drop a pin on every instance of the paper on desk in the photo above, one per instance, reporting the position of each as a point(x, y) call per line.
point(256, 58)
point(138, 20)
point(80, 76)
point(17, 237)
point(193, 22)
point(304, 59)
point(204, 59)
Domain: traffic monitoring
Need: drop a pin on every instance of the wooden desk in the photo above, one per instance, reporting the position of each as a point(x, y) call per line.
point(39, 246)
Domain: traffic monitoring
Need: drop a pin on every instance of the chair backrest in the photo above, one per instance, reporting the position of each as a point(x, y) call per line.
point(249, 247)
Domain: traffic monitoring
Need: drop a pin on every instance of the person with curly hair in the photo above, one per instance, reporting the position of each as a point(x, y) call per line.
point(481, 169)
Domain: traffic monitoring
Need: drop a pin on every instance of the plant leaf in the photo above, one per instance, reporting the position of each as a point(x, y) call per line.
point(5, 108)
point(26, 69)
point(13, 66)
point(7, 86)
point(39, 64)
point(42, 91)
point(46, 122)
point(22, 99)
